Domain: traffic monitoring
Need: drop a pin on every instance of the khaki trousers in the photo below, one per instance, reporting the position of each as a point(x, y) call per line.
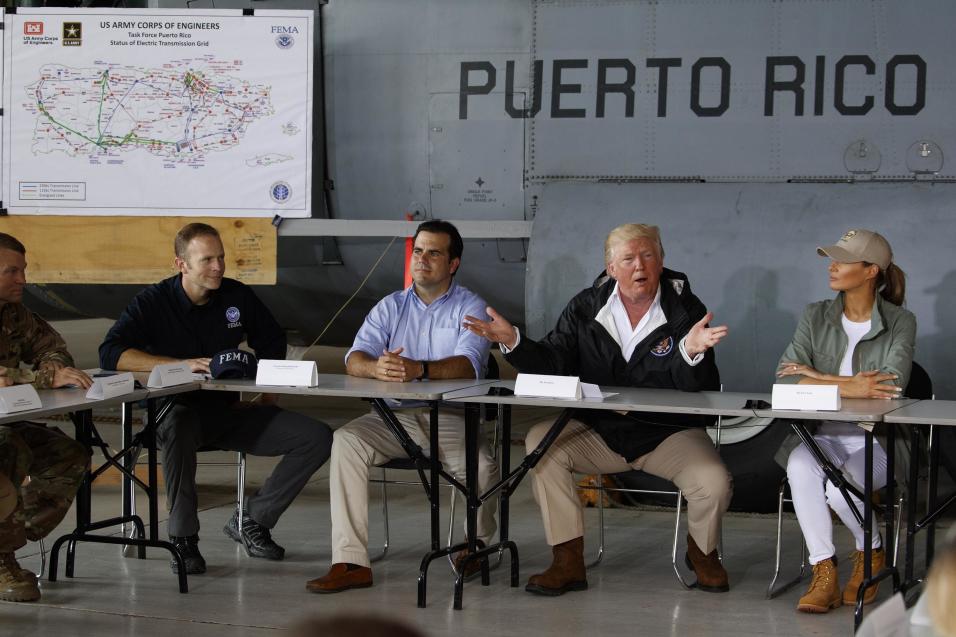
point(367, 442)
point(687, 458)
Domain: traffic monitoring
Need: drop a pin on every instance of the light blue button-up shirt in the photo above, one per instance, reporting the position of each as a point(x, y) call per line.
point(427, 332)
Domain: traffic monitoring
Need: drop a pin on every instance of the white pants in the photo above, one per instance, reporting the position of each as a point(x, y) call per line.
point(366, 442)
point(812, 492)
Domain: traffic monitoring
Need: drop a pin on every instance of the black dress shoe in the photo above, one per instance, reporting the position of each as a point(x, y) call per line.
point(188, 547)
point(256, 538)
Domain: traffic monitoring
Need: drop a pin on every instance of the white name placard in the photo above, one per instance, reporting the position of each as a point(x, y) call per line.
point(590, 391)
point(18, 398)
point(546, 386)
point(111, 386)
point(806, 397)
point(170, 374)
point(287, 373)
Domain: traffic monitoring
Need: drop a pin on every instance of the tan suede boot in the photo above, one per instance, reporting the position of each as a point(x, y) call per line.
point(711, 576)
point(824, 590)
point(877, 560)
point(566, 573)
point(15, 584)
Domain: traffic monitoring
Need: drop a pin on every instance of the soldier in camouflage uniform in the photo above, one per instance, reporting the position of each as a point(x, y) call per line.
point(8, 497)
point(54, 462)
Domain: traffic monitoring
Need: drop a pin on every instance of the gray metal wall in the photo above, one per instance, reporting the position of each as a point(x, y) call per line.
point(394, 77)
point(749, 250)
point(398, 144)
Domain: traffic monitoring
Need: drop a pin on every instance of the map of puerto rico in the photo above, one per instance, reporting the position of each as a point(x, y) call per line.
point(180, 112)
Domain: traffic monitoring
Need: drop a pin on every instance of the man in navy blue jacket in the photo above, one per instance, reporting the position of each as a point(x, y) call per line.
point(190, 317)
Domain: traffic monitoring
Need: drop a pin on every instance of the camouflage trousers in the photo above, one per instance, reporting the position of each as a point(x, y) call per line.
point(55, 464)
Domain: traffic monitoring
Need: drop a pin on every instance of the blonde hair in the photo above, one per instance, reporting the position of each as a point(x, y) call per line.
point(630, 232)
point(941, 591)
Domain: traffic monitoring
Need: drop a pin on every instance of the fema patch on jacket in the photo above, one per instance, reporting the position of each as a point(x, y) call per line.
point(664, 347)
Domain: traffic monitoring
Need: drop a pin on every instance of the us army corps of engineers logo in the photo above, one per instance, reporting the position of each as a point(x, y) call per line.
point(72, 33)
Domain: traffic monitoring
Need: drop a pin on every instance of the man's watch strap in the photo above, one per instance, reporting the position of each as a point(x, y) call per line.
point(424, 375)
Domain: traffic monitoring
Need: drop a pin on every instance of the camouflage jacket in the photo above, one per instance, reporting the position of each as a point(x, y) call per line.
point(27, 338)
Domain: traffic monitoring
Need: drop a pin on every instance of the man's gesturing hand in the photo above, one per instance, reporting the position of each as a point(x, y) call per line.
point(497, 330)
point(701, 338)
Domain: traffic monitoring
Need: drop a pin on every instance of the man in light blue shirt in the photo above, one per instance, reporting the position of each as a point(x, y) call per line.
point(412, 334)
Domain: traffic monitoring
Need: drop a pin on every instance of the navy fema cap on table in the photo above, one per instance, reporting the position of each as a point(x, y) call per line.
point(233, 363)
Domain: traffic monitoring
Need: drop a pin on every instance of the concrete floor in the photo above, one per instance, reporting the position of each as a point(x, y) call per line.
point(632, 590)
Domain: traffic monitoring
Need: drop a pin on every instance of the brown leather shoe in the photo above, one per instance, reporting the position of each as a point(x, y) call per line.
point(341, 577)
point(15, 583)
point(711, 576)
point(566, 573)
point(877, 559)
point(824, 590)
point(474, 567)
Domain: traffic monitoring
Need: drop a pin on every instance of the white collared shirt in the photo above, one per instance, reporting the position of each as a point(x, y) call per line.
point(613, 317)
point(626, 336)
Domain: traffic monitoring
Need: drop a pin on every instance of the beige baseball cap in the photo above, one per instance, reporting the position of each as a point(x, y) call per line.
point(860, 245)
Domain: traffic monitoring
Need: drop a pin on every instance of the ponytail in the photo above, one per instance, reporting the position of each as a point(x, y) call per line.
point(892, 284)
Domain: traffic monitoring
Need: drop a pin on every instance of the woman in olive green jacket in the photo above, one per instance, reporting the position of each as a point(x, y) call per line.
point(862, 341)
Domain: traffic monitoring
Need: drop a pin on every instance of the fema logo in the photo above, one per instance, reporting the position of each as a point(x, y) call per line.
point(280, 192)
point(232, 317)
point(664, 347)
point(284, 41)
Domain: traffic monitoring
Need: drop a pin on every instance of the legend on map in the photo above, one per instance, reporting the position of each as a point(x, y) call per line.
point(56, 190)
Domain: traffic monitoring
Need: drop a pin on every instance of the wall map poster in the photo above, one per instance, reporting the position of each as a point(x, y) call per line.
point(158, 112)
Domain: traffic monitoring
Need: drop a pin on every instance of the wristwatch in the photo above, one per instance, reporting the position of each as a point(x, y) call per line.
point(424, 375)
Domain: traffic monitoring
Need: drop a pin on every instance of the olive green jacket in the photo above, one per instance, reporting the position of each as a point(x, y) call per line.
point(820, 342)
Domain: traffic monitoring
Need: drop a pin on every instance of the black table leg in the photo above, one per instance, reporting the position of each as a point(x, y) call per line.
point(912, 495)
point(433, 471)
point(867, 528)
point(434, 504)
point(429, 482)
point(931, 492)
point(151, 462)
point(83, 421)
point(129, 463)
point(834, 475)
point(889, 570)
point(504, 416)
point(507, 485)
point(472, 425)
point(889, 509)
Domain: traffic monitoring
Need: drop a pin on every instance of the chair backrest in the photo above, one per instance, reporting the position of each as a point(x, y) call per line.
point(920, 385)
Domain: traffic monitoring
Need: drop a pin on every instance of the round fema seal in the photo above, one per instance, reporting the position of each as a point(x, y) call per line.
point(284, 41)
point(280, 192)
point(232, 314)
